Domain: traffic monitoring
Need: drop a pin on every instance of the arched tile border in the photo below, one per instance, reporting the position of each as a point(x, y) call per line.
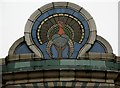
point(37, 13)
point(15, 44)
point(105, 43)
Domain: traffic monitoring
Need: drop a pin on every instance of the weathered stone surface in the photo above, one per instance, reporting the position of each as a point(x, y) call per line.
point(92, 37)
point(74, 6)
point(46, 7)
point(28, 39)
point(28, 27)
point(60, 4)
point(35, 15)
point(85, 13)
point(92, 25)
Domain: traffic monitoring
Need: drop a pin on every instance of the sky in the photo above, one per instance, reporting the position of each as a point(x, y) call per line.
point(14, 15)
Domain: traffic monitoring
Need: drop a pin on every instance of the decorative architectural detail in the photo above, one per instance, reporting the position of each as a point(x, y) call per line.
point(52, 20)
point(60, 48)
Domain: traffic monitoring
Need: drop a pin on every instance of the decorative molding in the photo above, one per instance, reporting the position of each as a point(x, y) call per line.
point(14, 46)
point(105, 43)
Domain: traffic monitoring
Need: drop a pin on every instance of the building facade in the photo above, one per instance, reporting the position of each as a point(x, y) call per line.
point(61, 48)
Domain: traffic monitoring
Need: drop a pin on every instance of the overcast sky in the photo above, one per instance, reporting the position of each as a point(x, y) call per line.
point(14, 15)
